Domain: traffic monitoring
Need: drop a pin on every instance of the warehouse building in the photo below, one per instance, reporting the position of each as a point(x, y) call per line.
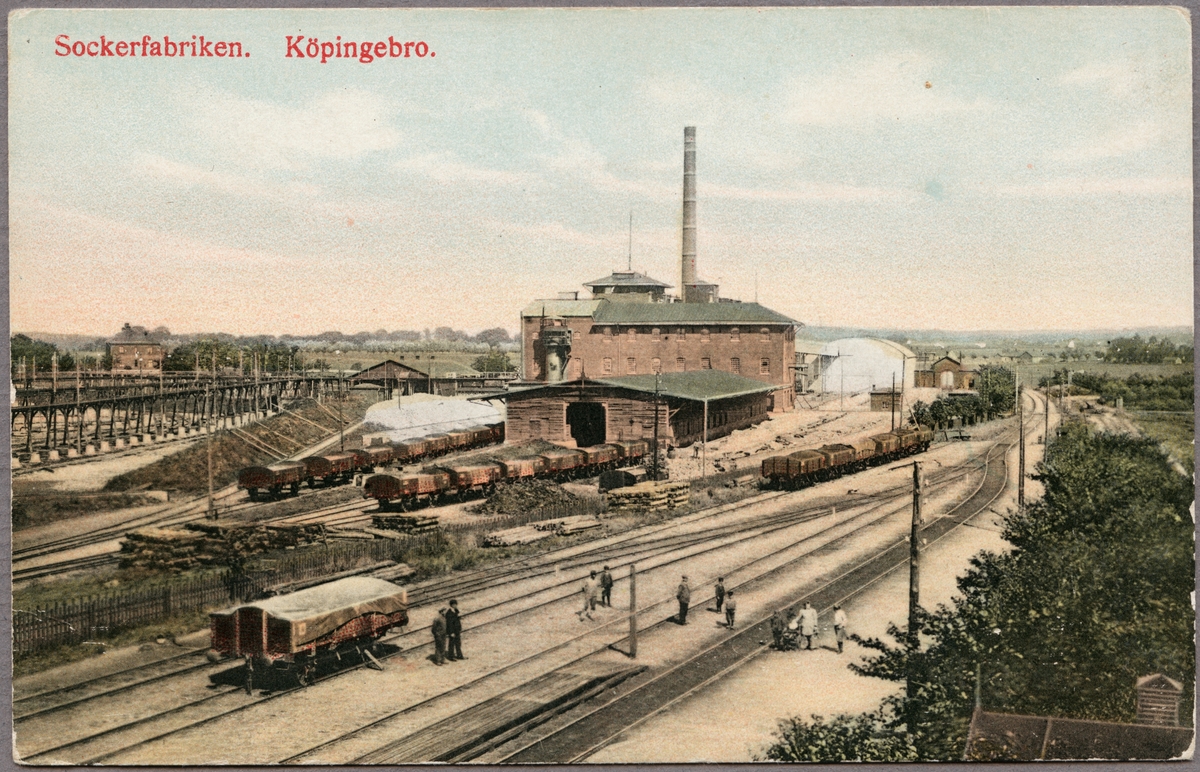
point(135, 348)
point(947, 374)
point(592, 412)
point(855, 365)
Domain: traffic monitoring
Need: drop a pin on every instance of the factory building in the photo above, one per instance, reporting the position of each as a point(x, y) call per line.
point(855, 365)
point(591, 365)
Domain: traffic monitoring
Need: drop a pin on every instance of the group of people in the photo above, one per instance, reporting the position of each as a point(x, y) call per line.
point(792, 632)
point(447, 635)
point(596, 591)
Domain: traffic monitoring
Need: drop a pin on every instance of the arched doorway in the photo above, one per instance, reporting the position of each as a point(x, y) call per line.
point(588, 423)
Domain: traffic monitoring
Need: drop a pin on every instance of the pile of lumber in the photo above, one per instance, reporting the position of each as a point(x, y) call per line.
point(525, 534)
point(406, 523)
point(649, 496)
point(204, 544)
point(563, 526)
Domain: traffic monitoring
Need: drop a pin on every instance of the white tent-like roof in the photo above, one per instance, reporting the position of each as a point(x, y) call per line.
point(856, 365)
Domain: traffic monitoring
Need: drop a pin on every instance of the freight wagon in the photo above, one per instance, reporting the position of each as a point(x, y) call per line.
point(330, 468)
point(272, 478)
point(805, 467)
point(298, 632)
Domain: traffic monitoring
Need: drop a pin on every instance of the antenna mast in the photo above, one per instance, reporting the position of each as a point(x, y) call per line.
point(630, 266)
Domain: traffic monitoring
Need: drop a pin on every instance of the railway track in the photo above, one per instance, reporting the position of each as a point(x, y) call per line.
point(585, 735)
point(676, 547)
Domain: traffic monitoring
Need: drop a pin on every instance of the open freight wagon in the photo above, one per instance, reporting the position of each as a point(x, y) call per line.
point(294, 633)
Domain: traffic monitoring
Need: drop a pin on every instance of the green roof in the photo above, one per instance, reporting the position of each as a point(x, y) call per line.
point(698, 313)
point(696, 385)
point(561, 308)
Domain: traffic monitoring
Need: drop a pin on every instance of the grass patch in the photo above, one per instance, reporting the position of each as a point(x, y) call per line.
point(1174, 431)
point(187, 470)
point(146, 634)
point(42, 508)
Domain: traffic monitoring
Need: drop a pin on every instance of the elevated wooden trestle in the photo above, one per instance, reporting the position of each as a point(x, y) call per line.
point(71, 416)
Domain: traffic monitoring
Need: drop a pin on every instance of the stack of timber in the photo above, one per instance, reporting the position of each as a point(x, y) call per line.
point(568, 525)
point(649, 496)
point(525, 534)
point(406, 523)
point(202, 544)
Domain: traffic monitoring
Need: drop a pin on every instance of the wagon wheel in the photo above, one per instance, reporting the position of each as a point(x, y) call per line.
point(305, 674)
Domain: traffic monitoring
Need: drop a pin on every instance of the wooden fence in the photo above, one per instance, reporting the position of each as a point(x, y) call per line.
point(101, 616)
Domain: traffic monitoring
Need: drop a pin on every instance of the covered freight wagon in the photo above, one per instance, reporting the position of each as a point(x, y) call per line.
point(272, 478)
point(294, 629)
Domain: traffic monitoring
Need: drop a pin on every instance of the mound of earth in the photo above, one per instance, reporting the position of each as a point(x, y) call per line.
point(526, 496)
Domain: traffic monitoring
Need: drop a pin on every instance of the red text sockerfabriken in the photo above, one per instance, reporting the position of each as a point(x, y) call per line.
point(301, 47)
point(148, 46)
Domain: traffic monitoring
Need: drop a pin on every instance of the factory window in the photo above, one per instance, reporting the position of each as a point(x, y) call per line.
point(632, 331)
point(607, 366)
point(680, 364)
point(705, 363)
point(608, 333)
point(682, 333)
point(764, 368)
point(735, 365)
point(657, 333)
point(734, 333)
point(631, 365)
point(766, 334)
point(704, 335)
point(575, 334)
point(656, 365)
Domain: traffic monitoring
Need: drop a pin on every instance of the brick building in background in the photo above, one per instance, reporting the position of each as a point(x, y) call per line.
point(136, 349)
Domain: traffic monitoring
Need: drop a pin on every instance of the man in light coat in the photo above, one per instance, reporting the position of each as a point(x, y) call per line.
point(808, 624)
point(839, 626)
point(684, 596)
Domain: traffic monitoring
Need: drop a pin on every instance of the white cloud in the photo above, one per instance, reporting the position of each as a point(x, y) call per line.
point(1100, 186)
point(447, 167)
point(806, 191)
point(338, 124)
point(883, 88)
point(1117, 77)
point(1119, 142)
point(186, 174)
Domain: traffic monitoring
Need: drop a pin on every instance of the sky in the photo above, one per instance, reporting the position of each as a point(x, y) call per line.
point(905, 168)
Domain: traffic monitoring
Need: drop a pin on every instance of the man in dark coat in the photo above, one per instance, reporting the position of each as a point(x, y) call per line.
point(778, 625)
point(684, 596)
point(606, 585)
point(454, 632)
point(439, 637)
point(720, 590)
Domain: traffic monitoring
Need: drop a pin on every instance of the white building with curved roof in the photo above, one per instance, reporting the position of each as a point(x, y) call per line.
point(855, 365)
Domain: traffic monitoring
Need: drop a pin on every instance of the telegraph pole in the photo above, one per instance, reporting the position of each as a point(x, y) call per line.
point(632, 611)
point(893, 401)
point(1046, 433)
point(212, 510)
point(657, 387)
point(1021, 455)
point(914, 595)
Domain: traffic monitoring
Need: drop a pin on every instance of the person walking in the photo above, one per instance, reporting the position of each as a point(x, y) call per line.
point(593, 590)
point(720, 590)
point(585, 589)
point(730, 609)
point(439, 637)
point(684, 596)
point(839, 626)
point(777, 627)
point(249, 674)
point(808, 624)
point(606, 585)
point(454, 632)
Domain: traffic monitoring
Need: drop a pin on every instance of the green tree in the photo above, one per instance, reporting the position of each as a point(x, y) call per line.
point(206, 352)
point(865, 737)
point(997, 389)
point(37, 353)
point(493, 362)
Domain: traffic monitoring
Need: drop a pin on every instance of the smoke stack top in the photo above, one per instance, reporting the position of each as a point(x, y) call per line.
point(688, 260)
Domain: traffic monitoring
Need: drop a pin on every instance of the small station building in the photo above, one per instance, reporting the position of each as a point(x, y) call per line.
point(590, 412)
point(135, 348)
